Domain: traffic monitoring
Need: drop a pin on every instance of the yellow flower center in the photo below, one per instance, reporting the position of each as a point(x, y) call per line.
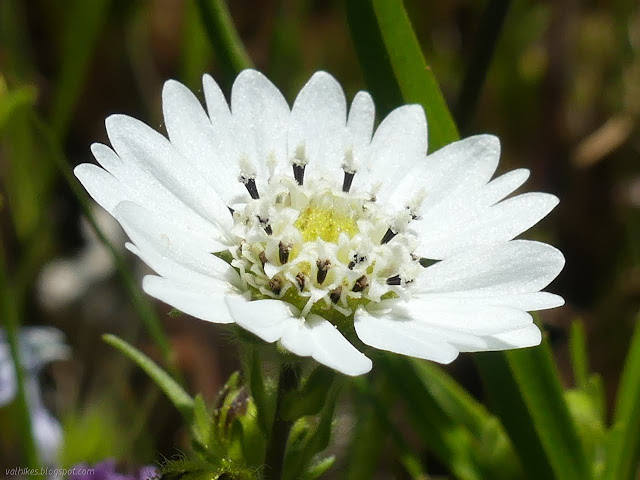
point(317, 221)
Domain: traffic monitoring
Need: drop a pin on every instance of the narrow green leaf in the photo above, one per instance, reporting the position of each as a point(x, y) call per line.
point(508, 403)
point(448, 439)
point(202, 421)
point(623, 453)
point(578, 349)
point(394, 67)
point(451, 397)
point(196, 49)
point(174, 392)
point(319, 468)
point(83, 25)
point(524, 387)
point(224, 38)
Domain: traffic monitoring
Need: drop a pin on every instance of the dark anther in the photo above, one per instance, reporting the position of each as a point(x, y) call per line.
point(298, 173)
point(250, 184)
point(356, 259)
point(348, 179)
point(265, 224)
point(395, 280)
point(323, 269)
point(231, 210)
point(263, 258)
point(388, 236)
point(284, 252)
point(361, 284)
point(275, 285)
point(335, 294)
point(302, 280)
point(427, 262)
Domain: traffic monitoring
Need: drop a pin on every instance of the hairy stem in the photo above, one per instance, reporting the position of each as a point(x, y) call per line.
point(280, 432)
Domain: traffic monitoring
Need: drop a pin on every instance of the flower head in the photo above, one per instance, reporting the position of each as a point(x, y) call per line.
point(303, 226)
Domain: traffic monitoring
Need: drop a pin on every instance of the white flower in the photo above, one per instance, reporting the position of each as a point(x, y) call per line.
point(301, 226)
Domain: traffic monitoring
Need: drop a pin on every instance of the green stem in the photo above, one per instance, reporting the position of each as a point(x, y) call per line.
point(287, 382)
point(484, 46)
point(9, 311)
point(224, 38)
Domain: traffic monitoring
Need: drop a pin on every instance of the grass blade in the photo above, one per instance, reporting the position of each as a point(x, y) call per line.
point(525, 390)
point(394, 67)
point(623, 453)
point(80, 33)
point(224, 38)
point(174, 392)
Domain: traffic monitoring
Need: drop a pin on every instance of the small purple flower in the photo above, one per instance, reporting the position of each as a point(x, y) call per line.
point(106, 470)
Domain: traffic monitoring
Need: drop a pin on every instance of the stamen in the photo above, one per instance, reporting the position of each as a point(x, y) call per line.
point(348, 180)
point(283, 251)
point(388, 236)
point(250, 184)
point(427, 262)
point(231, 210)
point(356, 259)
point(302, 280)
point(275, 285)
point(335, 294)
point(298, 173)
point(361, 284)
point(323, 269)
point(395, 280)
point(265, 224)
point(263, 258)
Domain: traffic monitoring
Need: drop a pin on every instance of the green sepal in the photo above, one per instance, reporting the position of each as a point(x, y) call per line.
point(311, 396)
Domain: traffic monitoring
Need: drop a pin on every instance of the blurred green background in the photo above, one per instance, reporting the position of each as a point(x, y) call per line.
point(562, 92)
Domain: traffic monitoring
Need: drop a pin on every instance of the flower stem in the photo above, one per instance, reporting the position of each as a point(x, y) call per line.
point(280, 432)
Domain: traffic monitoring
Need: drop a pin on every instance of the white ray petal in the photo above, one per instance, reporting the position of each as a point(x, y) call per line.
point(137, 143)
point(170, 251)
point(192, 133)
point(401, 336)
point(399, 142)
point(261, 115)
point(518, 266)
point(206, 304)
point(470, 227)
point(360, 122)
point(318, 125)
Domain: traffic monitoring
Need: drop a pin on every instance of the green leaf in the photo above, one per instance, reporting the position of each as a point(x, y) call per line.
point(224, 38)
point(174, 392)
point(310, 397)
point(525, 390)
point(196, 50)
point(623, 454)
point(394, 67)
point(84, 21)
point(202, 421)
point(578, 349)
point(449, 440)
